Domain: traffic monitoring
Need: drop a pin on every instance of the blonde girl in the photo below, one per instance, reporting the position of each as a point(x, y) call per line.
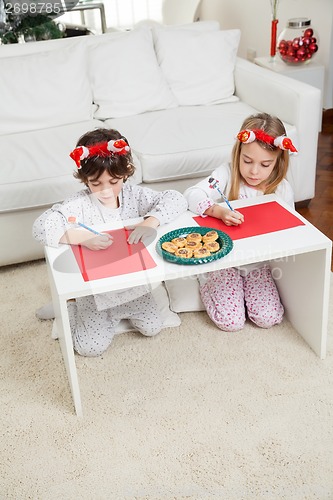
point(259, 164)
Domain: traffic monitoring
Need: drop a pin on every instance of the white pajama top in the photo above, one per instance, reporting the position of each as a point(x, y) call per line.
point(134, 201)
point(202, 196)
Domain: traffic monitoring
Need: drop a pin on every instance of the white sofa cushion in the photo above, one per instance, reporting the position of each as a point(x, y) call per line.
point(170, 145)
point(42, 90)
point(185, 142)
point(32, 183)
point(198, 65)
point(125, 76)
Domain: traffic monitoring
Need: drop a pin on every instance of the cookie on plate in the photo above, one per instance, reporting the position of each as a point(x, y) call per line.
point(193, 237)
point(201, 252)
point(180, 242)
point(193, 245)
point(169, 247)
point(185, 253)
point(212, 246)
point(210, 236)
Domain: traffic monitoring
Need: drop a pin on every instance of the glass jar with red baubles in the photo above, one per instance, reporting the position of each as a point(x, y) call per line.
point(298, 42)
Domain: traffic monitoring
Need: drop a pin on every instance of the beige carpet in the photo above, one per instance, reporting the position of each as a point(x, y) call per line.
point(193, 413)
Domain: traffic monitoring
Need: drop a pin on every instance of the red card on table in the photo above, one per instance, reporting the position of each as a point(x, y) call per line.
point(258, 219)
point(119, 258)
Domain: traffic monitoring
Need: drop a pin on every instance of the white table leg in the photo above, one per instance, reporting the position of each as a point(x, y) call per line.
point(62, 326)
point(304, 282)
point(66, 344)
point(54, 333)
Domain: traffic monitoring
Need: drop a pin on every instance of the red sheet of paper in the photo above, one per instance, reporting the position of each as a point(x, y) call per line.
point(119, 258)
point(258, 219)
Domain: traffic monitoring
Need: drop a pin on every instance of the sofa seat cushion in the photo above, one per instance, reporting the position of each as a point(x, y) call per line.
point(184, 142)
point(38, 168)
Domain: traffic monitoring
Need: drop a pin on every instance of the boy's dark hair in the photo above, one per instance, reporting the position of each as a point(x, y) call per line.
point(119, 166)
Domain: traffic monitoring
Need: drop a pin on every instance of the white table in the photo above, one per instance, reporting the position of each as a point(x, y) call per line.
point(302, 260)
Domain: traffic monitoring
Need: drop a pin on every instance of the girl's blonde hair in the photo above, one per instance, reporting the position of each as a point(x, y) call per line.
point(274, 127)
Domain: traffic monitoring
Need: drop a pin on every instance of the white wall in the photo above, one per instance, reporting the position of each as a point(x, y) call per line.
point(253, 18)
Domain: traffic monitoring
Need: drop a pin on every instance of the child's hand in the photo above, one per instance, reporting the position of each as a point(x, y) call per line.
point(232, 218)
point(229, 217)
point(141, 233)
point(99, 242)
point(145, 231)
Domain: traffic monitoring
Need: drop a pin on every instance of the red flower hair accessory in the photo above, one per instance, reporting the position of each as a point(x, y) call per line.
point(110, 148)
point(282, 142)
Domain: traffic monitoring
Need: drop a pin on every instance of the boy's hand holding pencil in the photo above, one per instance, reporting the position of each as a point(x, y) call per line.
point(89, 237)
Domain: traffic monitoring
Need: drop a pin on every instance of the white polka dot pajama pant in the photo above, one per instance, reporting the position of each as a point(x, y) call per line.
point(228, 297)
point(93, 330)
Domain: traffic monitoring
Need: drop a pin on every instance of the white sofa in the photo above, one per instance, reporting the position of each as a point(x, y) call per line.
point(179, 94)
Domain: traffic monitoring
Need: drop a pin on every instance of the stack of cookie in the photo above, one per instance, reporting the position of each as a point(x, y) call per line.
point(193, 245)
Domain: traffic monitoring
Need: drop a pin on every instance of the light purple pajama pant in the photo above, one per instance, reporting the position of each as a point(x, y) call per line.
point(93, 330)
point(228, 297)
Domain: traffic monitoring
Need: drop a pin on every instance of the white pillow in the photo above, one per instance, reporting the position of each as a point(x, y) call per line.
point(184, 295)
point(125, 76)
point(196, 26)
point(155, 26)
point(198, 65)
point(169, 318)
point(44, 90)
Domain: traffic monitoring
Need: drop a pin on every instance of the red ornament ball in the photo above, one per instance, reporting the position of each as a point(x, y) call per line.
point(296, 43)
point(301, 52)
point(313, 47)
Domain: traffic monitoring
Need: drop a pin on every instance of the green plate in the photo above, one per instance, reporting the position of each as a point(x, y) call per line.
point(224, 240)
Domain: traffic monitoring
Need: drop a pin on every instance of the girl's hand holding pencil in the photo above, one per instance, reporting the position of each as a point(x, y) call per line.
point(229, 215)
point(214, 184)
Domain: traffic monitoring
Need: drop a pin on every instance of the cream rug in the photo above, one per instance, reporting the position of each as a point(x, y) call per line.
point(193, 413)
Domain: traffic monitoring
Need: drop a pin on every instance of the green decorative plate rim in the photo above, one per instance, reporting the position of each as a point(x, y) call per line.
point(226, 245)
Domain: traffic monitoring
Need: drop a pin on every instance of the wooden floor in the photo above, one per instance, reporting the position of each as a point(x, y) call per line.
point(320, 209)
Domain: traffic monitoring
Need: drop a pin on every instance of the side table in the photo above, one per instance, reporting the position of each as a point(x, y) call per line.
point(310, 73)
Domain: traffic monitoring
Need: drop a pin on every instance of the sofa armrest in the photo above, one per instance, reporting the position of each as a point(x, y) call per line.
point(294, 102)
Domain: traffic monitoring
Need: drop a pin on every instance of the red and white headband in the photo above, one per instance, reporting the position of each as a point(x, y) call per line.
point(111, 148)
point(282, 142)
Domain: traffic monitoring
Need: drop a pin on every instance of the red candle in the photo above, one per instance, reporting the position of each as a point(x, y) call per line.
point(273, 37)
